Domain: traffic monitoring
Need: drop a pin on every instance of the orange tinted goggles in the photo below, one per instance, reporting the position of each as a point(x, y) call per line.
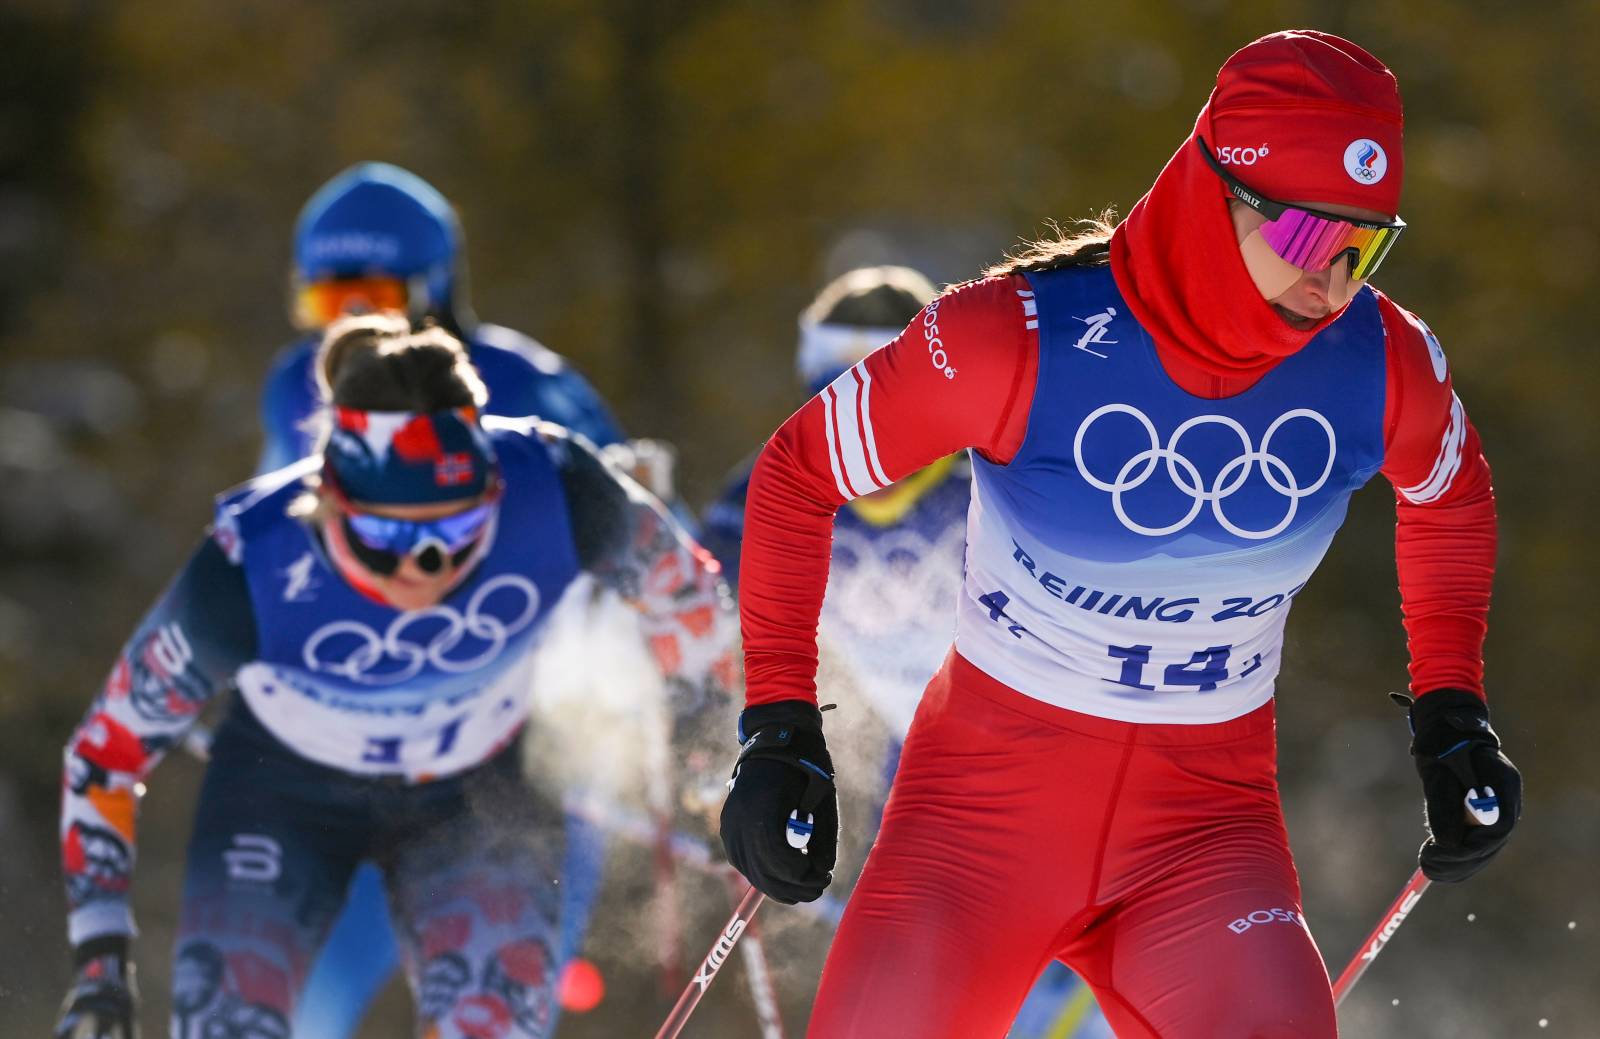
point(320, 303)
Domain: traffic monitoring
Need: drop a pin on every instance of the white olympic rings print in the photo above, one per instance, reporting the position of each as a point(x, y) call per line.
point(1186, 477)
point(372, 649)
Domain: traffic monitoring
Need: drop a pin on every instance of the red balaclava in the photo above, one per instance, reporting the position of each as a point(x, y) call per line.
point(1297, 114)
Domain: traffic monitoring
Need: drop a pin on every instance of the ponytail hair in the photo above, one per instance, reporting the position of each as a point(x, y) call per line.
point(1089, 246)
point(376, 362)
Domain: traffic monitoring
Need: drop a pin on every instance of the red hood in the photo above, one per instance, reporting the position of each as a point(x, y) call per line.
point(1177, 263)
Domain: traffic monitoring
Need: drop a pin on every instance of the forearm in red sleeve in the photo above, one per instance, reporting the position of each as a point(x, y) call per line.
point(1445, 526)
point(1444, 551)
point(961, 375)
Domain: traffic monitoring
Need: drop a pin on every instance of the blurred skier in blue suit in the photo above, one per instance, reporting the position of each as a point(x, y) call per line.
point(377, 237)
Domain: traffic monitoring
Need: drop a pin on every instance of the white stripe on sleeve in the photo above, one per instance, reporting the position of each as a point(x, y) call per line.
point(828, 397)
point(852, 447)
point(875, 467)
point(1447, 464)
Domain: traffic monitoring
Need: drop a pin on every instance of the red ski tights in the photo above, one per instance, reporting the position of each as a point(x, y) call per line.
point(1151, 859)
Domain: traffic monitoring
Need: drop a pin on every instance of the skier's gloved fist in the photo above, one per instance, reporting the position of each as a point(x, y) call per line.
point(780, 822)
point(101, 1003)
point(1473, 791)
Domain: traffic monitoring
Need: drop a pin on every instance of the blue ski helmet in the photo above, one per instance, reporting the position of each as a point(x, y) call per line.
point(378, 220)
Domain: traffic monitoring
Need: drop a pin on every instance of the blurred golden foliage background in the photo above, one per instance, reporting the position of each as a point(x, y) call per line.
point(654, 190)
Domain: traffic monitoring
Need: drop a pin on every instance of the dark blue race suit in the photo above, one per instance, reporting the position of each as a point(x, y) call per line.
point(364, 734)
point(523, 378)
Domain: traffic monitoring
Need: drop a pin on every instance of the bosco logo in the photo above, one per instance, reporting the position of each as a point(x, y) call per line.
point(937, 354)
point(1266, 916)
point(1237, 156)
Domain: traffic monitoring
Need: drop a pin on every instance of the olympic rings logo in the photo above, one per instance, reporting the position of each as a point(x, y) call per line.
point(1136, 471)
point(372, 649)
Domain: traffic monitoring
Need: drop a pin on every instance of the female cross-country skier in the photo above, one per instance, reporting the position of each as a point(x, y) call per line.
point(377, 237)
point(895, 569)
point(379, 607)
point(1166, 422)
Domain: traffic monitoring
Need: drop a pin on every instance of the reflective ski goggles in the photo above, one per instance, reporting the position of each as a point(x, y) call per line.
point(1312, 240)
point(381, 542)
point(320, 303)
point(405, 537)
point(431, 544)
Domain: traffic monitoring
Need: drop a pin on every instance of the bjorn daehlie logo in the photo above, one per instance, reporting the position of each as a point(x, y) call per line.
point(1141, 466)
point(1095, 334)
point(300, 579)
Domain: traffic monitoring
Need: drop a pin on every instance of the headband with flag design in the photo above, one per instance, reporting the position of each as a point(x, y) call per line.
point(408, 458)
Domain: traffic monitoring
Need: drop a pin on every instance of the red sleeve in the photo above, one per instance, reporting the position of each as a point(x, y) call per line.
point(1445, 516)
point(961, 375)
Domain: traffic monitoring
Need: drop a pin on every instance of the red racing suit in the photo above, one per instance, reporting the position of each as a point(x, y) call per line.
point(1043, 816)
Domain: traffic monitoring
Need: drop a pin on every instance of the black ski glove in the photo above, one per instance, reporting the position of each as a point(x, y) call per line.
point(101, 1003)
point(1472, 791)
point(780, 822)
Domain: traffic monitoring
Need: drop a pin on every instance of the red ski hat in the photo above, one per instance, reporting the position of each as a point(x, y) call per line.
point(1328, 114)
point(1302, 116)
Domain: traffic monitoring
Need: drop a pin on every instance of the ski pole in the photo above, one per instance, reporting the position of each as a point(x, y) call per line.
point(1410, 895)
point(762, 993)
point(669, 925)
point(659, 798)
point(713, 962)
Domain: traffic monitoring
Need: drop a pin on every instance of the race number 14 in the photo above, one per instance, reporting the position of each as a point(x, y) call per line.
point(1204, 670)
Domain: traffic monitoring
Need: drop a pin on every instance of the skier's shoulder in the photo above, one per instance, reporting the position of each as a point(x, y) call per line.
point(500, 347)
point(526, 378)
point(291, 365)
point(1412, 347)
point(529, 436)
point(250, 509)
point(526, 436)
point(597, 494)
point(996, 298)
point(979, 328)
point(1420, 400)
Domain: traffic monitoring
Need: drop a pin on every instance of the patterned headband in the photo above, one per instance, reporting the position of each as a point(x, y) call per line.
point(407, 457)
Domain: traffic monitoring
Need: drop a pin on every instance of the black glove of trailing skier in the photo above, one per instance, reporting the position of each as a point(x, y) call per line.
point(780, 822)
point(101, 1003)
point(1473, 792)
